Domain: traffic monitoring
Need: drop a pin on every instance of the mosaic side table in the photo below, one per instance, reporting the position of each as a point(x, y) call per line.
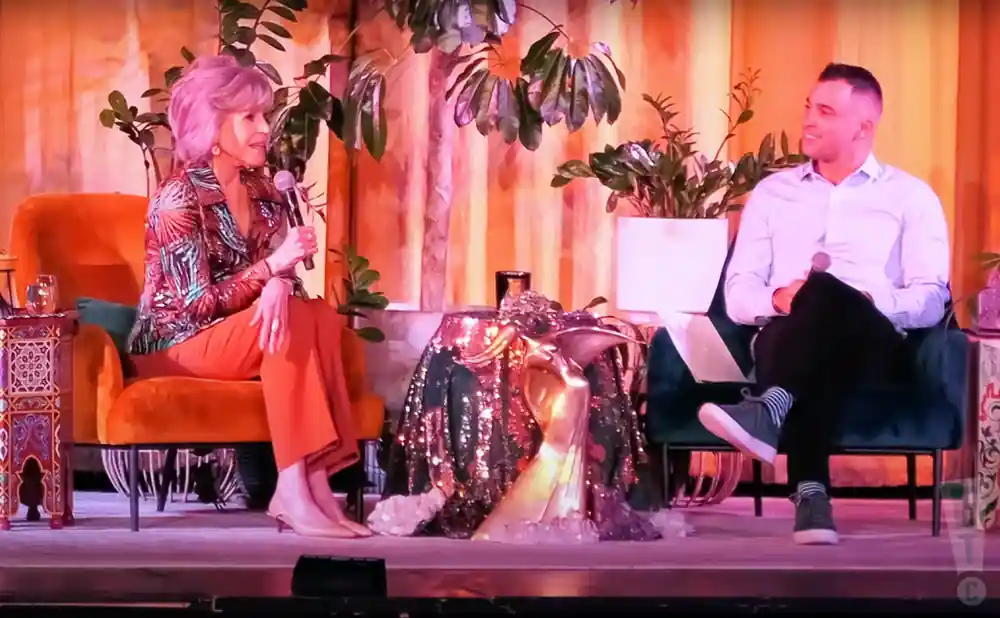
point(985, 437)
point(36, 416)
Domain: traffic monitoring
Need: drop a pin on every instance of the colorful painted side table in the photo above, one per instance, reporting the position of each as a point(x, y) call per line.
point(36, 416)
point(986, 429)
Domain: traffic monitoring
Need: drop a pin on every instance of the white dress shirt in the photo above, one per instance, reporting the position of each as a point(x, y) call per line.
point(883, 229)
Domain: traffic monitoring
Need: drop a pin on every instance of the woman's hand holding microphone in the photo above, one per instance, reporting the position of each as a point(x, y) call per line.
point(299, 244)
point(272, 308)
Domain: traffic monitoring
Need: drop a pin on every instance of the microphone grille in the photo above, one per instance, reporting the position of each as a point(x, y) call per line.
point(284, 181)
point(821, 262)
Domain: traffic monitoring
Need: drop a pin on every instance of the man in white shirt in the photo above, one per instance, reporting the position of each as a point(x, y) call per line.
point(836, 259)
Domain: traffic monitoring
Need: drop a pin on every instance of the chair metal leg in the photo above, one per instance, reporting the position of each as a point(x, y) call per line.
point(668, 485)
point(167, 478)
point(133, 487)
point(938, 456)
point(911, 484)
point(758, 488)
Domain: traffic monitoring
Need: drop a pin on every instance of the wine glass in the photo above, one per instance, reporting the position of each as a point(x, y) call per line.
point(35, 298)
point(43, 295)
point(49, 283)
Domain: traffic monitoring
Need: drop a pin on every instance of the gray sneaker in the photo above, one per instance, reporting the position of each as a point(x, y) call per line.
point(814, 521)
point(747, 425)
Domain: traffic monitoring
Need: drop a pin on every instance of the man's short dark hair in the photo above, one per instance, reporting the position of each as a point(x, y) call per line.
point(860, 78)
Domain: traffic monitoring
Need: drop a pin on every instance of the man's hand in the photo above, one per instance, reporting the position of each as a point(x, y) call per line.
point(272, 314)
point(783, 297)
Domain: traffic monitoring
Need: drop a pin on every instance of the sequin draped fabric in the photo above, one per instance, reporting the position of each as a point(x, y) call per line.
point(199, 266)
point(467, 431)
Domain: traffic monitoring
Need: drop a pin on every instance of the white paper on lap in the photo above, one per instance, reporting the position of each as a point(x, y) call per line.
point(702, 348)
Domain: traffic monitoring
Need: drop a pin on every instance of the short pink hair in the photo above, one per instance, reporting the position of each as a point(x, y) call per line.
point(211, 88)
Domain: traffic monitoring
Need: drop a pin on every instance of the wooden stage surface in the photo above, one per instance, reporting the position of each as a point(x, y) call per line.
point(193, 552)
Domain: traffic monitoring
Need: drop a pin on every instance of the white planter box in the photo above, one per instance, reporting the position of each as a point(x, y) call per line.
point(668, 265)
point(392, 362)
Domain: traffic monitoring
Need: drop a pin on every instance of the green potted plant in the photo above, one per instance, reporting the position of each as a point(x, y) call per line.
point(676, 234)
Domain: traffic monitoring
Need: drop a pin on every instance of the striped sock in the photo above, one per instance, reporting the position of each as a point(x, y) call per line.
point(778, 402)
point(810, 488)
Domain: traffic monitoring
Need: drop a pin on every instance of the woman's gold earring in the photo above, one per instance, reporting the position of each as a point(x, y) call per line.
point(215, 151)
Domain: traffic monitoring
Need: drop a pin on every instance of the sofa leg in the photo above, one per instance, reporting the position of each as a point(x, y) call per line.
point(938, 457)
point(911, 484)
point(758, 488)
point(133, 487)
point(668, 485)
point(359, 490)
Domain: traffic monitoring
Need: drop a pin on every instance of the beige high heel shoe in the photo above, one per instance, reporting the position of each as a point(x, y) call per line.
point(335, 531)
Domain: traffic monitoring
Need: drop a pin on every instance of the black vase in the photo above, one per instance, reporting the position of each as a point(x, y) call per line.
point(511, 282)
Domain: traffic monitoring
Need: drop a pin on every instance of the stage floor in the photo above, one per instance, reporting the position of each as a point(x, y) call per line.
point(191, 551)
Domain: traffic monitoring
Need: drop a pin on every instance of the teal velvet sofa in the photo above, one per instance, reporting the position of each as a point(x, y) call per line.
point(927, 419)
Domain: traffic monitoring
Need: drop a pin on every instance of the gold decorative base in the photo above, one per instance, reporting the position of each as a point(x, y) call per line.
point(715, 475)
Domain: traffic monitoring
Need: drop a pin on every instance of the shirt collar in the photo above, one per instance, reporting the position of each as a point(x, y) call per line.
point(871, 169)
point(209, 190)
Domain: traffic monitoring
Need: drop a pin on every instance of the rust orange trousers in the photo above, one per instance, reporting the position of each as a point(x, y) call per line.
point(305, 389)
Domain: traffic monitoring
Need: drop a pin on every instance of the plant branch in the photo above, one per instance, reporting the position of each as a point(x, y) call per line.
point(354, 31)
point(554, 25)
point(260, 15)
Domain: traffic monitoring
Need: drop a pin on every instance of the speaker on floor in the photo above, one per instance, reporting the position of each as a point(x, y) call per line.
point(332, 576)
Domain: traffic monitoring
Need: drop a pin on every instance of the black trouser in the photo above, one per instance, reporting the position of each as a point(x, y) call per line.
point(832, 341)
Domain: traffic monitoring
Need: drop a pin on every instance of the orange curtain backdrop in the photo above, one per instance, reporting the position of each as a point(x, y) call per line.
point(931, 57)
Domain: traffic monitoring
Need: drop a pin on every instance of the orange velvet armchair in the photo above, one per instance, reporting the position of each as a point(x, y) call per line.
point(93, 244)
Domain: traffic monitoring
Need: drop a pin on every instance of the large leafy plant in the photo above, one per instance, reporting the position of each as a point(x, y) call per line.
point(550, 86)
point(667, 177)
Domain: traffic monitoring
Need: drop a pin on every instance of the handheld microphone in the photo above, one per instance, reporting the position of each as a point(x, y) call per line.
point(821, 262)
point(284, 182)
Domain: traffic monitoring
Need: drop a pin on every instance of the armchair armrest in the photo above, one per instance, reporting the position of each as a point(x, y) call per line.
point(98, 380)
point(942, 362)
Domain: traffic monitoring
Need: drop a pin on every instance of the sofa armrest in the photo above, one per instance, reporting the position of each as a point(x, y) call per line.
point(98, 380)
point(942, 363)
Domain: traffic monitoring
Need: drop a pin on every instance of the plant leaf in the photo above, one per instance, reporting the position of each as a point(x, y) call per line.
point(270, 71)
point(107, 118)
point(371, 334)
point(283, 12)
point(535, 57)
point(271, 41)
point(604, 49)
point(277, 29)
point(373, 118)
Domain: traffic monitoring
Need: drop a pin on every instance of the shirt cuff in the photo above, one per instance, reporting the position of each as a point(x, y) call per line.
point(763, 305)
point(884, 301)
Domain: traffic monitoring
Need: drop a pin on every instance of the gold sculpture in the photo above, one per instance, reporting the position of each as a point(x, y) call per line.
point(551, 491)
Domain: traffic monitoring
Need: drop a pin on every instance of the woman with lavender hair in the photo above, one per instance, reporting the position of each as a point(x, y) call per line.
point(221, 299)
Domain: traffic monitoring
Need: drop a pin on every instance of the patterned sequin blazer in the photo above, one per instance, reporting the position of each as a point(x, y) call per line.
point(199, 266)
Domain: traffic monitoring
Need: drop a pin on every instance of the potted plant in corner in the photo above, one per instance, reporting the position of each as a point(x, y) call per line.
point(987, 306)
point(677, 234)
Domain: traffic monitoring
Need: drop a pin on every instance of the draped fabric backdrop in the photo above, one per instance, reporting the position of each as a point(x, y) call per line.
point(59, 59)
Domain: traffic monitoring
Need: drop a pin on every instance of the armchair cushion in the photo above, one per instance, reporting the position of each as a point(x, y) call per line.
point(198, 411)
point(928, 415)
point(115, 318)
